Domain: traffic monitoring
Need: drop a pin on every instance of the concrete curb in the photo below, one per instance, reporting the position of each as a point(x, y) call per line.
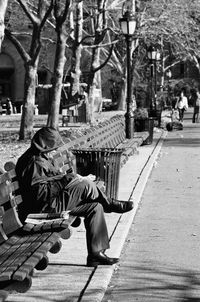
point(97, 285)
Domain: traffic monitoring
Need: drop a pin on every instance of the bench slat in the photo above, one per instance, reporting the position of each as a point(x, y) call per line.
point(34, 244)
point(14, 250)
point(34, 259)
point(6, 246)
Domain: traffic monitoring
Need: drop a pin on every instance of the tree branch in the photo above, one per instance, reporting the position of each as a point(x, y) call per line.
point(86, 37)
point(106, 61)
point(67, 5)
point(172, 64)
point(18, 46)
point(61, 18)
point(47, 13)
point(100, 45)
point(34, 19)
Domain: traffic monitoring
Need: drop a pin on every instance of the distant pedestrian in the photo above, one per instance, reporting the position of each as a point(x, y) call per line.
point(182, 104)
point(195, 99)
point(8, 106)
point(174, 101)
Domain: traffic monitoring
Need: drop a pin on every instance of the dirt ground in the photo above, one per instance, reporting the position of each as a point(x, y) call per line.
point(11, 149)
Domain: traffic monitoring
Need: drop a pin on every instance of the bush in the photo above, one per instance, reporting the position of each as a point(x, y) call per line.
point(140, 114)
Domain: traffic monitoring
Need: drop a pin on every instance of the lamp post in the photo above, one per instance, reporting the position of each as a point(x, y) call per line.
point(154, 56)
point(128, 25)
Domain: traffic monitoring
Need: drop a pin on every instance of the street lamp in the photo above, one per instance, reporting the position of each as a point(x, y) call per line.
point(128, 25)
point(154, 56)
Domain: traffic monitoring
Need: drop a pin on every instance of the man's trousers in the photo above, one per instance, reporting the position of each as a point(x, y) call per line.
point(86, 200)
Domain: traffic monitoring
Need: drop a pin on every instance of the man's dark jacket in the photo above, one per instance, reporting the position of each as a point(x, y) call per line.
point(41, 182)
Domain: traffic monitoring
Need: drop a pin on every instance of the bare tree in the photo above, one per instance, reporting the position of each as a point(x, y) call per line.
point(95, 41)
point(3, 7)
point(31, 59)
point(60, 13)
point(175, 26)
point(76, 47)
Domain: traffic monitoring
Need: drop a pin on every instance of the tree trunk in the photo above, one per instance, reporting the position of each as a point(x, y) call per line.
point(53, 116)
point(60, 14)
point(26, 127)
point(77, 49)
point(91, 82)
point(100, 24)
point(3, 7)
point(162, 74)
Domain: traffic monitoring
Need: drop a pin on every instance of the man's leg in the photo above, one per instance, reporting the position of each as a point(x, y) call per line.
point(86, 200)
point(180, 114)
point(183, 111)
point(95, 225)
point(197, 118)
point(85, 191)
point(194, 116)
point(96, 233)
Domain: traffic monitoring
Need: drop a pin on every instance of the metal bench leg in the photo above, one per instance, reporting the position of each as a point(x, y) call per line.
point(56, 247)
point(42, 264)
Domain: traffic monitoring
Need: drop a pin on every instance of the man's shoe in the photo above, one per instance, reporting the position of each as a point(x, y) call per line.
point(100, 259)
point(119, 206)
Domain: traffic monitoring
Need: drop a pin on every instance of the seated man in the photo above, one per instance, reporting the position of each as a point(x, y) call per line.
point(45, 189)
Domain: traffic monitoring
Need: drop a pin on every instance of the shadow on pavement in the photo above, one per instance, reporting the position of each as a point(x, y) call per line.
point(160, 283)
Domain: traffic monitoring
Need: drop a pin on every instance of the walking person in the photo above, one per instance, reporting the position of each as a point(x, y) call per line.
point(182, 104)
point(195, 98)
point(45, 189)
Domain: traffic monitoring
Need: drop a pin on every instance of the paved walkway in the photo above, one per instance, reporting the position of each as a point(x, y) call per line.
point(67, 278)
point(161, 259)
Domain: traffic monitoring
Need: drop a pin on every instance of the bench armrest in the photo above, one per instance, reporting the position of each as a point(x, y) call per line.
point(42, 222)
point(47, 216)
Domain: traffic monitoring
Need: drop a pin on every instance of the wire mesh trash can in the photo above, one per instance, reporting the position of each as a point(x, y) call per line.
point(104, 163)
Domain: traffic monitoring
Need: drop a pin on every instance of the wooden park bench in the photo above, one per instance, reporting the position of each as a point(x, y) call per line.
point(24, 246)
point(108, 134)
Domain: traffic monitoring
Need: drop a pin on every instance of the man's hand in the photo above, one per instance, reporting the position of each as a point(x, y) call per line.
point(90, 177)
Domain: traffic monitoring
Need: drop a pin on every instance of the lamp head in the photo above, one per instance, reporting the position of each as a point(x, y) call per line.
point(153, 53)
point(128, 23)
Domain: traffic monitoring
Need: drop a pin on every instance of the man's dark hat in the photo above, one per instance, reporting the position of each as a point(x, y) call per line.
point(46, 139)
